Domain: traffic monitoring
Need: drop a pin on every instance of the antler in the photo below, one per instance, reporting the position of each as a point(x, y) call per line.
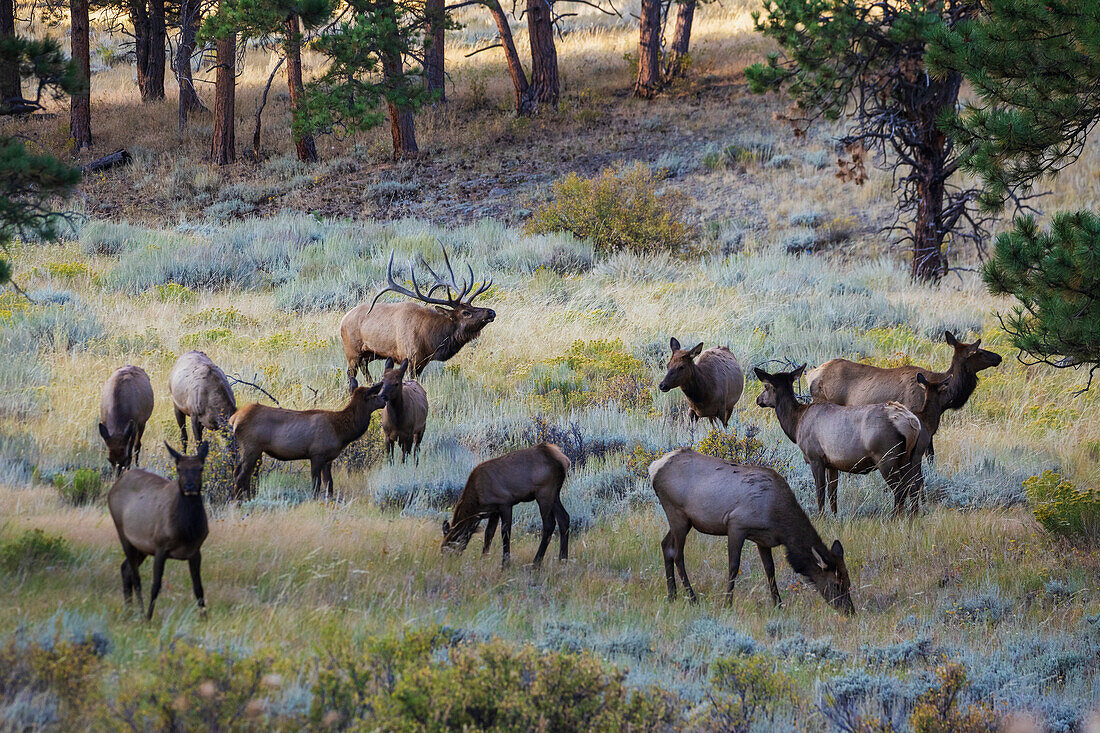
point(456, 294)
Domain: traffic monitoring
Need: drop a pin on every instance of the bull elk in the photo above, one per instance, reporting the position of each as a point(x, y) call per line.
point(742, 502)
point(495, 486)
point(406, 413)
point(430, 329)
point(163, 519)
point(835, 439)
point(711, 380)
point(125, 406)
point(200, 390)
point(317, 436)
point(844, 382)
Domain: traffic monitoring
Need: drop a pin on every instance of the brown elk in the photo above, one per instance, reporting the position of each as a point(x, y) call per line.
point(835, 439)
point(495, 486)
point(163, 519)
point(200, 390)
point(742, 502)
point(431, 329)
point(712, 380)
point(406, 412)
point(318, 436)
point(125, 406)
point(844, 382)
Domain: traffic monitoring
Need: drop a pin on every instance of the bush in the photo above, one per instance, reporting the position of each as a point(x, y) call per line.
point(45, 685)
point(938, 709)
point(1061, 507)
point(34, 550)
point(745, 692)
point(618, 209)
point(84, 486)
point(595, 373)
point(731, 446)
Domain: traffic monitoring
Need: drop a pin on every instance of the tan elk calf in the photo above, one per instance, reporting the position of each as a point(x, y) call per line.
point(711, 380)
point(844, 382)
point(125, 406)
point(430, 329)
point(317, 436)
point(161, 519)
point(743, 503)
point(495, 486)
point(406, 413)
point(858, 440)
point(200, 390)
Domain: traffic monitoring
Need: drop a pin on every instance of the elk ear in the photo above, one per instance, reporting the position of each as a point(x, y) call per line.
point(697, 350)
point(837, 550)
point(171, 451)
point(373, 389)
point(950, 338)
point(103, 432)
point(819, 559)
point(921, 379)
point(761, 374)
point(674, 344)
point(404, 366)
point(389, 364)
point(446, 528)
point(204, 450)
point(797, 373)
point(977, 343)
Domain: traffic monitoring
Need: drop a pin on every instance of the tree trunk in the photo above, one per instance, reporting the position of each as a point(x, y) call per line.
point(929, 262)
point(189, 22)
point(544, 56)
point(434, 62)
point(80, 110)
point(11, 89)
point(676, 64)
point(401, 118)
point(223, 147)
point(154, 70)
point(303, 142)
point(525, 102)
point(139, 18)
point(649, 50)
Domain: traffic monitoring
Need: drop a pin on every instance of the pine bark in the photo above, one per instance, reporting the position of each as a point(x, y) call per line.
point(525, 101)
point(80, 111)
point(11, 90)
point(223, 147)
point(434, 61)
point(303, 142)
point(139, 18)
point(544, 55)
point(402, 127)
point(676, 64)
point(188, 99)
point(649, 50)
point(929, 262)
point(153, 88)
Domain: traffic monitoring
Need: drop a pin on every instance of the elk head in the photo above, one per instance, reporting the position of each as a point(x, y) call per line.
point(830, 576)
point(189, 469)
point(971, 356)
point(933, 390)
point(120, 447)
point(457, 306)
point(373, 397)
point(680, 366)
point(393, 377)
point(776, 384)
point(457, 536)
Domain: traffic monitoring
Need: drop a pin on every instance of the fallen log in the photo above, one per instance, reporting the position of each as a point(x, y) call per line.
point(117, 158)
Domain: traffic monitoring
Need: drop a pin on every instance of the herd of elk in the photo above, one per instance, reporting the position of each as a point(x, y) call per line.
point(711, 380)
point(406, 413)
point(124, 408)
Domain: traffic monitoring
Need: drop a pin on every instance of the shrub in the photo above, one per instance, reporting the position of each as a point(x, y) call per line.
point(34, 550)
point(745, 691)
point(172, 292)
point(45, 685)
point(1061, 507)
point(595, 373)
point(938, 709)
point(618, 209)
point(731, 446)
point(84, 486)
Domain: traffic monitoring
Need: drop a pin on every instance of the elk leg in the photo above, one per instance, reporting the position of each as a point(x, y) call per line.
point(832, 479)
point(931, 450)
point(818, 469)
point(127, 582)
point(913, 480)
point(547, 530)
point(353, 367)
point(181, 420)
point(196, 429)
point(389, 451)
point(315, 477)
point(678, 544)
point(490, 530)
point(137, 446)
point(668, 554)
point(326, 478)
point(769, 570)
point(195, 564)
point(895, 479)
point(506, 534)
point(158, 575)
point(563, 529)
point(736, 543)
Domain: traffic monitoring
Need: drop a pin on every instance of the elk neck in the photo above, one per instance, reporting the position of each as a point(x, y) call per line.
point(190, 517)
point(800, 539)
point(962, 385)
point(789, 412)
point(695, 387)
point(351, 422)
point(396, 406)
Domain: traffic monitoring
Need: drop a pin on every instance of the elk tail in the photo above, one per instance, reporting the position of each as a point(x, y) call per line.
point(906, 423)
point(558, 455)
point(811, 378)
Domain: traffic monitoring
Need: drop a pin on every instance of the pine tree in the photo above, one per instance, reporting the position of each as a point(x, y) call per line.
point(862, 60)
point(1034, 66)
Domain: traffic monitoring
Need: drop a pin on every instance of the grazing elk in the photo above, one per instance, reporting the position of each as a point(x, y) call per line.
point(834, 438)
point(200, 390)
point(406, 412)
point(712, 380)
point(431, 329)
point(299, 435)
point(742, 502)
point(495, 486)
point(844, 382)
point(124, 407)
point(163, 519)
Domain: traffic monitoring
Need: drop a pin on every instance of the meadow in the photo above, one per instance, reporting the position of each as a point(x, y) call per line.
point(256, 264)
